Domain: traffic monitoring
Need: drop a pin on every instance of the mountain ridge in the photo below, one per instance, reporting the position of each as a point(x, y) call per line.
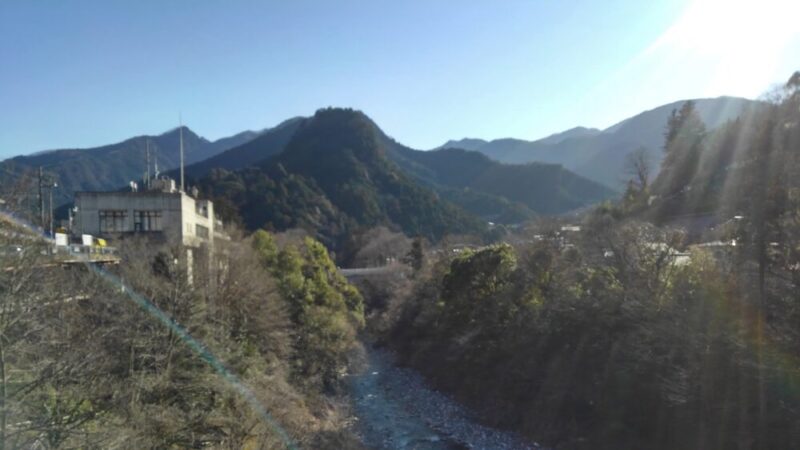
point(114, 165)
point(601, 156)
point(549, 189)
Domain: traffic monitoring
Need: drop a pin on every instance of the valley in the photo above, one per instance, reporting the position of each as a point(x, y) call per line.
point(321, 285)
point(416, 225)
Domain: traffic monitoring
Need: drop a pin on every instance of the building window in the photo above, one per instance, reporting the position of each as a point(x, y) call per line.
point(201, 231)
point(147, 221)
point(112, 220)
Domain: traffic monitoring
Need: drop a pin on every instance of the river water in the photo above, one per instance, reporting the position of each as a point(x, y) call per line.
point(396, 410)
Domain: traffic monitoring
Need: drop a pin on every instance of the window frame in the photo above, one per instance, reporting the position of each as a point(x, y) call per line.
point(202, 231)
point(146, 220)
point(112, 220)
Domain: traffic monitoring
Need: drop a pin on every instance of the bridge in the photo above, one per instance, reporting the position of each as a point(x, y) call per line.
point(365, 272)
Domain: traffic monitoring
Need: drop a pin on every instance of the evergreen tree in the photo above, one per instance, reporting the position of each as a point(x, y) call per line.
point(416, 256)
point(683, 145)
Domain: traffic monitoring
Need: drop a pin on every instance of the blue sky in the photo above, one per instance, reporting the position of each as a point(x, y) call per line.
point(85, 73)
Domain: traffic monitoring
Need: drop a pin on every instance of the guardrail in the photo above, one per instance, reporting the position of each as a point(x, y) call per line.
point(63, 250)
point(52, 256)
point(79, 249)
point(85, 253)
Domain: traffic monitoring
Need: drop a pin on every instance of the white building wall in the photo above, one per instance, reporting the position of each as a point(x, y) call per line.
point(196, 212)
point(180, 215)
point(87, 219)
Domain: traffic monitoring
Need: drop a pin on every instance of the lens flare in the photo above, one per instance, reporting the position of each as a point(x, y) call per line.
point(196, 346)
point(200, 349)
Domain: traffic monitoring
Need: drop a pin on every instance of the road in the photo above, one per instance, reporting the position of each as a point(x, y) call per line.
point(396, 410)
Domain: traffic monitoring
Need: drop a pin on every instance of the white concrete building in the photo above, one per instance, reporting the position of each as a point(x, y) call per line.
point(163, 210)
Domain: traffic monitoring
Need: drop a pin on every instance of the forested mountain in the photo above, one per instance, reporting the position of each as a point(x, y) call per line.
point(540, 188)
point(113, 166)
point(496, 192)
point(333, 178)
point(493, 191)
point(601, 155)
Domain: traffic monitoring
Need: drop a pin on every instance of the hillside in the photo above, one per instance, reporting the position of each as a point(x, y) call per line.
point(540, 188)
point(268, 143)
point(746, 168)
point(577, 132)
point(580, 347)
point(113, 166)
point(332, 178)
point(600, 155)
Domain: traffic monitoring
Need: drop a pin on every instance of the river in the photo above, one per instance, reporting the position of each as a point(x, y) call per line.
point(396, 410)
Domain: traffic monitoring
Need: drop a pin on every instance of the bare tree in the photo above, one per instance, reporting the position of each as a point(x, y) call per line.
point(139, 356)
point(16, 191)
point(380, 246)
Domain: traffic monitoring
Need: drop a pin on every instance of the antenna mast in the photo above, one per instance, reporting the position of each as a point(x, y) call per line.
point(155, 163)
point(180, 122)
point(147, 163)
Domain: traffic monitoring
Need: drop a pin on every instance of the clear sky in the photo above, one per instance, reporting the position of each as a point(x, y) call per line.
point(84, 73)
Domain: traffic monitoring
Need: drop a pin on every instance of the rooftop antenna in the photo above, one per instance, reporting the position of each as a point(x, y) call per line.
point(180, 122)
point(147, 163)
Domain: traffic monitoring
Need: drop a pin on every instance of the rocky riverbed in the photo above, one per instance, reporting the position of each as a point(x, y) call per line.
point(396, 410)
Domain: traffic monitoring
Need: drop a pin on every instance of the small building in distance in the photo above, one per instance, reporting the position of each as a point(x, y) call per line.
point(161, 209)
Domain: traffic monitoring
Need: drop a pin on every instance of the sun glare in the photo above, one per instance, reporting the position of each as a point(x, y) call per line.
point(745, 40)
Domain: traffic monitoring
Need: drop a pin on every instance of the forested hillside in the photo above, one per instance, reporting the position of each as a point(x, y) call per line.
point(582, 351)
point(334, 178)
point(490, 190)
point(541, 188)
point(627, 335)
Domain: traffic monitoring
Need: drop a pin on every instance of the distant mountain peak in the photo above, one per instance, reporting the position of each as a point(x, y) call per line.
point(575, 132)
point(333, 138)
point(600, 155)
point(188, 134)
point(111, 166)
point(465, 144)
point(476, 143)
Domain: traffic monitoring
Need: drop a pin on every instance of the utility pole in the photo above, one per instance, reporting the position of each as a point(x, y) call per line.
point(51, 186)
point(41, 199)
point(147, 163)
